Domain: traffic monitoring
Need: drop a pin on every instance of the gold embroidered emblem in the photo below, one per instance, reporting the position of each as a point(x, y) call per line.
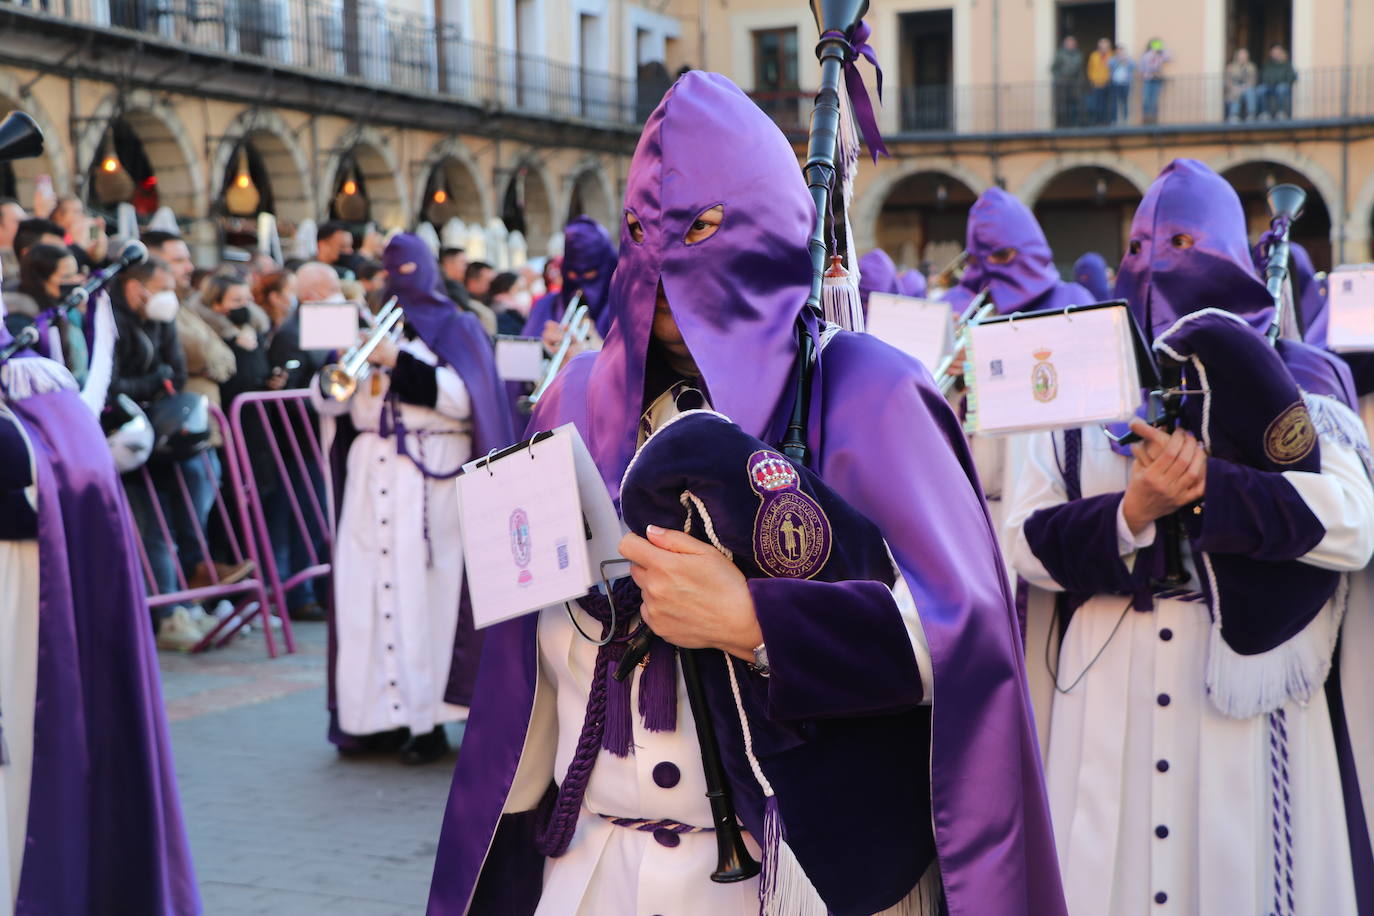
point(1044, 380)
point(1291, 436)
point(792, 536)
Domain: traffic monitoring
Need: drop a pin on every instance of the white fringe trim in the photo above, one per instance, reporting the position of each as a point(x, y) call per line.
point(1245, 686)
point(25, 378)
point(101, 367)
point(1333, 420)
point(841, 303)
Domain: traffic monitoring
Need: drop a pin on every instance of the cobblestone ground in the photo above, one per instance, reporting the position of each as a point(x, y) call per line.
point(279, 824)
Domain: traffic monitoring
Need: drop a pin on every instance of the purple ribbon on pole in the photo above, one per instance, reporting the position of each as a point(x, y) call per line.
point(859, 102)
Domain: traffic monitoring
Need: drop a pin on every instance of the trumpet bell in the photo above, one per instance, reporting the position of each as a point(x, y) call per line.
point(336, 383)
point(1286, 200)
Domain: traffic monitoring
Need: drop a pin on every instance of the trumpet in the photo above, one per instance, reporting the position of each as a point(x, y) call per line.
point(338, 381)
point(577, 327)
point(949, 275)
point(981, 307)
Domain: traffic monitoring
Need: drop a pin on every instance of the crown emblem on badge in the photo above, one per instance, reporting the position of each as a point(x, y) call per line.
point(774, 473)
point(1042, 355)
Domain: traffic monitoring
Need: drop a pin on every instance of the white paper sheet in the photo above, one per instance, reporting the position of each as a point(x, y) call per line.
point(536, 524)
point(520, 359)
point(919, 327)
point(1351, 323)
point(1053, 371)
point(328, 325)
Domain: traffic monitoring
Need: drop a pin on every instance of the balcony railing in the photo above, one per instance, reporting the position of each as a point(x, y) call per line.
point(1325, 94)
point(364, 40)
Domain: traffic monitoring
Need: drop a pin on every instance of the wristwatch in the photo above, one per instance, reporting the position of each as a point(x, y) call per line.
point(760, 663)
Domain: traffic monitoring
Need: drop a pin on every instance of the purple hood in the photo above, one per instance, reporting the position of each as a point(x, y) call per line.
point(1090, 272)
point(1162, 281)
point(912, 283)
point(456, 337)
point(1029, 282)
point(877, 274)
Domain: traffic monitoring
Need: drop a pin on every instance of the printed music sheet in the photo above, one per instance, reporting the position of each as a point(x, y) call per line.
point(328, 325)
point(520, 359)
point(537, 523)
point(1351, 325)
point(918, 327)
point(1052, 371)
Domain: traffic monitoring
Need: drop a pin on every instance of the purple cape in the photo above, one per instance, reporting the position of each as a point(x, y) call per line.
point(104, 821)
point(1090, 272)
point(912, 283)
point(735, 297)
point(1029, 282)
point(877, 274)
point(586, 247)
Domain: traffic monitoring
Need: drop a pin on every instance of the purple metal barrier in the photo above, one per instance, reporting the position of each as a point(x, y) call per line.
point(284, 429)
point(248, 594)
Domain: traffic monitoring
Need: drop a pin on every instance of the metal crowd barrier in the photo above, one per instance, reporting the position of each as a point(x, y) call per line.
point(249, 594)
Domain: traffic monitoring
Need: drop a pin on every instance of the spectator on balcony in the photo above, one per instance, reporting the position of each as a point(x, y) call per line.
point(1067, 71)
point(1123, 74)
point(334, 246)
point(1152, 79)
point(85, 235)
point(477, 282)
point(1276, 84)
point(1241, 81)
point(11, 215)
point(1100, 82)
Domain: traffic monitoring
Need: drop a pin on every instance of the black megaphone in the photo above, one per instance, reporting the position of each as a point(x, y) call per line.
point(20, 137)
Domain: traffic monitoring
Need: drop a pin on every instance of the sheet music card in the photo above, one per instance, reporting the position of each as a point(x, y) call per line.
point(1053, 371)
point(537, 523)
point(520, 359)
point(1351, 325)
point(328, 325)
point(918, 327)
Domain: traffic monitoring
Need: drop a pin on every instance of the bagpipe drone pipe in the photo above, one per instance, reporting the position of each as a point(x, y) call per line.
point(775, 518)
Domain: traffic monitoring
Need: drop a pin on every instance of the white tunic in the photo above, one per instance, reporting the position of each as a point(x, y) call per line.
point(1155, 794)
point(18, 684)
point(1357, 674)
point(396, 598)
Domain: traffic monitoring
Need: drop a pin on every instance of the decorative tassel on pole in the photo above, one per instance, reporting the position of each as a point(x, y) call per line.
point(840, 301)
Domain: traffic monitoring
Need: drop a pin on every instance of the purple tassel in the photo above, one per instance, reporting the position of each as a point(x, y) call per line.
point(658, 689)
point(618, 735)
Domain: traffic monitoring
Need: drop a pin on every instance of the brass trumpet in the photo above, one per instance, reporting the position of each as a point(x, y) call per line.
point(949, 275)
point(577, 327)
point(981, 307)
point(339, 381)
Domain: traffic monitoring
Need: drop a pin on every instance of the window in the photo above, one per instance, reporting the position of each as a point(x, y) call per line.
point(775, 76)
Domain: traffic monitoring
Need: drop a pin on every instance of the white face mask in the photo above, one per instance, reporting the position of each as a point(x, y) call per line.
point(162, 306)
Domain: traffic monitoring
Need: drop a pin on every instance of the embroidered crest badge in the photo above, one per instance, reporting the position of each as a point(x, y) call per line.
point(1290, 436)
point(1044, 380)
point(521, 545)
point(792, 536)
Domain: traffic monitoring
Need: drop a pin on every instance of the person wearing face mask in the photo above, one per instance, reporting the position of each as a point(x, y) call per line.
point(1198, 759)
point(227, 305)
point(589, 260)
point(402, 649)
point(506, 291)
point(47, 274)
point(706, 300)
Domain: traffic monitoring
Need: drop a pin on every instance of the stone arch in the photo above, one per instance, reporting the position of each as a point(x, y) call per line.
point(1038, 180)
point(451, 160)
point(287, 164)
point(1086, 207)
point(1305, 166)
point(527, 198)
point(868, 206)
point(1359, 228)
point(166, 142)
point(589, 192)
point(53, 162)
point(1320, 224)
point(372, 153)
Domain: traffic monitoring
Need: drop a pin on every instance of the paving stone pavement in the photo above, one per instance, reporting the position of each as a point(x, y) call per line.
point(278, 823)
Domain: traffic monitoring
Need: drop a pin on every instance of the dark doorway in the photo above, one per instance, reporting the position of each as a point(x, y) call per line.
point(1087, 22)
point(927, 69)
point(1086, 209)
point(1258, 25)
point(248, 155)
point(106, 180)
point(1312, 230)
point(924, 219)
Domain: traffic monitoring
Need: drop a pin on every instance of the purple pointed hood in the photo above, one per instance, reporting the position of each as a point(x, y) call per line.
point(587, 249)
point(877, 274)
point(1090, 272)
point(912, 283)
point(1162, 281)
point(997, 221)
point(741, 333)
point(456, 337)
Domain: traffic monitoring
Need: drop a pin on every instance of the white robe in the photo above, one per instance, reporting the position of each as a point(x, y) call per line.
point(1149, 798)
point(1357, 674)
point(395, 599)
point(18, 684)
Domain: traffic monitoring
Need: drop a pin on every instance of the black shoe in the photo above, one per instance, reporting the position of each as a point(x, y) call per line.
point(310, 612)
point(379, 743)
point(425, 748)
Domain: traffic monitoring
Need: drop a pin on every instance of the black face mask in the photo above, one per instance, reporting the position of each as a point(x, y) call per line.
point(65, 290)
point(239, 316)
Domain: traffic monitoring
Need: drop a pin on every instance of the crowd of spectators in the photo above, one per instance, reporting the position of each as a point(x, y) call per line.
point(189, 337)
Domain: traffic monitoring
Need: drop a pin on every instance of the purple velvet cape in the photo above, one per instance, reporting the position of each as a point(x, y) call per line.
point(912, 283)
point(735, 296)
point(459, 341)
point(104, 820)
point(1090, 272)
point(877, 274)
point(586, 246)
point(1030, 282)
